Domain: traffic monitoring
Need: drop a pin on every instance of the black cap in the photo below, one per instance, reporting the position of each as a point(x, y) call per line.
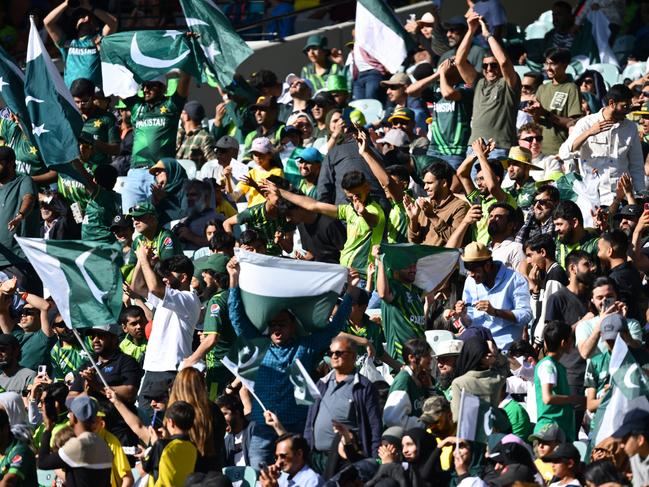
point(194, 110)
point(323, 98)
point(630, 211)
point(120, 221)
point(634, 420)
point(565, 451)
point(516, 472)
point(8, 340)
point(156, 390)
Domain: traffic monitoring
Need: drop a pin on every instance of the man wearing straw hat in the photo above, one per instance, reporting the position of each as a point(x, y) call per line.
point(518, 164)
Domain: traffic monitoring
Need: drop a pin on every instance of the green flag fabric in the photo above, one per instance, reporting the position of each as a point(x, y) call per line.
point(83, 278)
point(304, 389)
point(475, 419)
point(625, 372)
point(434, 264)
point(129, 58)
point(244, 359)
point(218, 45)
point(55, 119)
point(271, 284)
point(12, 89)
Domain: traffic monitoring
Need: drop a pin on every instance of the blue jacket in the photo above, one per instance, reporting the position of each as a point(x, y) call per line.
point(245, 445)
point(366, 407)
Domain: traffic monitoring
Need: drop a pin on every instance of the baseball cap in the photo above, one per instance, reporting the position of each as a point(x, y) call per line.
point(565, 451)
point(612, 325)
point(516, 472)
point(194, 110)
point(310, 154)
point(120, 221)
point(291, 78)
point(455, 21)
point(8, 340)
point(630, 211)
point(141, 209)
point(227, 142)
point(84, 408)
point(323, 99)
point(214, 262)
point(433, 407)
point(395, 137)
point(261, 145)
point(265, 103)
point(402, 113)
point(315, 40)
point(448, 348)
point(634, 420)
point(156, 389)
point(397, 79)
point(549, 432)
point(108, 328)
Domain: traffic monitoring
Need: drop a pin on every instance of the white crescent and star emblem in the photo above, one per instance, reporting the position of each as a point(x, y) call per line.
point(191, 22)
point(172, 33)
point(3, 83)
point(627, 377)
point(153, 62)
point(38, 130)
point(250, 361)
point(81, 261)
point(29, 98)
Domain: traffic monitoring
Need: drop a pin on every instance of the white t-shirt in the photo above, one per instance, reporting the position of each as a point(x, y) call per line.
point(547, 372)
point(239, 460)
point(172, 331)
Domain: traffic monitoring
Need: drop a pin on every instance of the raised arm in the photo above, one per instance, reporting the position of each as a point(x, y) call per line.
point(419, 86)
point(129, 417)
point(506, 66)
point(493, 185)
point(51, 23)
point(391, 188)
point(183, 84)
point(466, 69)
point(240, 322)
point(463, 173)
point(302, 201)
point(153, 281)
point(382, 284)
point(448, 92)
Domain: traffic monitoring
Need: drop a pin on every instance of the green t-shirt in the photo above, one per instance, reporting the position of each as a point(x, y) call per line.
point(451, 125)
point(11, 197)
point(519, 419)
point(256, 217)
point(35, 348)
point(129, 347)
point(164, 244)
point(82, 59)
point(73, 191)
point(397, 223)
point(369, 330)
point(403, 381)
point(19, 460)
point(66, 359)
point(525, 195)
point(28, 160)
point(549, 371)
point(102, 126)
point(597, 376)
point(155, 127)
point(495, 108)
point(563, 100)
point(217, 320)
point(587, 244)
point(307, 189)
point(357, 250)
point(480, 231)
point(102, 207)
point(403, 318)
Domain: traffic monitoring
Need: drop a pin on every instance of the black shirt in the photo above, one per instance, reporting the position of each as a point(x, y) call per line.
point(630, 289)
point(324, 238)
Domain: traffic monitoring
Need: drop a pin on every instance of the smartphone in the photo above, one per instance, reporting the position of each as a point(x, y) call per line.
point(129, 450)
point(646, 207)
point(156, 419)
point(42, 370)
point(607, 303)
point(476, 201)
point(263, 466)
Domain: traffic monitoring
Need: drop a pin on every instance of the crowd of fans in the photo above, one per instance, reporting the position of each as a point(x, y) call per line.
point(539, 180)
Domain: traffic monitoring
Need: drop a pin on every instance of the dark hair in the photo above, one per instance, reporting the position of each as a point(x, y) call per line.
point(263, 79)
point(298, 442)
point(182, 414)
point(250, 237)
point(511, 212)
point(618, 93)
point(542, 241)
point(361, 298)
point(602, 472)
point(568, 210)
point(538, 81)
point(231, 402)
point(496, 167)
point(552, 192)
point(7, 154)
point(4, 418)
point(554, 333)
point(576, 256)
point(442, 171)
point(131, 312)
point(82, 87)
point(558, 55)
point(222, 241)
point(213, 223)
point(353, 179)
point(106, 176)
point(605, 281)
point(563, 5)
point(418, 347)
point(57, 392)
point(177, 263)
point(399, 171)
point(618, 241)
point(521, 348)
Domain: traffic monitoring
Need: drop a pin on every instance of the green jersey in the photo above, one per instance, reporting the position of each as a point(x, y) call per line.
point(35, 348)
point(525, 195)
point(129, 347)
point(369, 330)
point(403, 381)
point(357, 250)
point(217, 320)
point(549, 371)
point(308, 189)
point(155, 127)
point(102, 126)
point(403, 318)
point(164, 244)
point(397, 223)
point(480, 231)
point(451, 125)
point(28, 159)
point(101, 208)
point(82, 59)
point(19, 460)
point(73, 191)
point(587, 244)
point(66, 359)
point(256, 217)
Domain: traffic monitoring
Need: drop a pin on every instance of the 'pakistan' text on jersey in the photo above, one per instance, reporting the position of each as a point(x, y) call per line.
point(403, 318)
point(451, 125)
point(28, 160)
point(82, 59)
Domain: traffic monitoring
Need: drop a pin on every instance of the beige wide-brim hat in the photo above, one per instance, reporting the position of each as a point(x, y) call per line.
point(426, 19)
point(519, 156)
point(476, 252)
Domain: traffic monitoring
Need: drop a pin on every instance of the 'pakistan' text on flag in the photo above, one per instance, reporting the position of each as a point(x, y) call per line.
point(54, 118)
point(475, 419)
point(222, 49)
point(379, 36)
point(12, 90)
point(83, 278)
point(129, 58)
point(434, 264)
point(304, 389)
point(271, 284)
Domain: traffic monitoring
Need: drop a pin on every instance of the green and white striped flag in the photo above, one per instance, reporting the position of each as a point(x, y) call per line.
point(272, 284)
point(244, 360)
point(83, 278)
point(434, 264)
point(218, 45)
point(304, 389)
point(55, 119)
point(475, 419)
point(379, 36)
point(129, 58)
point(12, 90)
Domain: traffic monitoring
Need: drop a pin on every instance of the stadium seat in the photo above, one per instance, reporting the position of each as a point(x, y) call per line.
point(633, 71)
point(189, 166)
point(577, 66)
point(537, 30)
point(243, 476)
point(45, 477)
point(521, 70)
point(433, 337)
point(545, 18)
point(610, 72)
point(582, 448)
point(572, 71)
point(372, 109)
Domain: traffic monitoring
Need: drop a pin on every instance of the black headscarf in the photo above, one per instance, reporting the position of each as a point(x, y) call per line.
point(473, 350)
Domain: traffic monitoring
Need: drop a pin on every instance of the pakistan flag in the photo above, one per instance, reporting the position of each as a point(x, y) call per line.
point(475, 419)
point(244, 359)
point(129, 58)
point(12, 88)
point(304, 389)
point(83, 278)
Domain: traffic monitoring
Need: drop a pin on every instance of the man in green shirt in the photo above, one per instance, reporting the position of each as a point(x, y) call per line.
point(309, 163)
point(519, 164)
point(163, 242)
point(66, 354)
point(219, 334)
point(558, 104)
point(133, 321)
point(155, 121)
point(18, 464)
point(571, 234)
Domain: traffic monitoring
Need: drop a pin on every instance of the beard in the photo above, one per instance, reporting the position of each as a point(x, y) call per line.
point(585, 278)
point(492, 229)
point(444, 380)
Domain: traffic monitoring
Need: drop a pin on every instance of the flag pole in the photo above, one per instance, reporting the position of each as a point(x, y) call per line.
point(243, 383)
point(92, 360)
point(459, 421)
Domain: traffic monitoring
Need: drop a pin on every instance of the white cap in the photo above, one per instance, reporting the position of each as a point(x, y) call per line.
point(395, 137)
point(448, 347)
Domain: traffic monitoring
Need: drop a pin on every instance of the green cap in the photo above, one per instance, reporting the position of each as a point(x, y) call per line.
point(336, 83)
point(214, 262)
point(141, 209)
point(120, 104)
point(316, 40)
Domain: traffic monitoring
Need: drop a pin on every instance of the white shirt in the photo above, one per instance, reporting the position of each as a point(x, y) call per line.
point(172, 330)
point(304, 478)
point(612, 153)
point(550, 165)
point(508, 252)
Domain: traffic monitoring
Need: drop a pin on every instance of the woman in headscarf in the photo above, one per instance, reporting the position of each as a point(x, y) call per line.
point(167, 194)
point(592, 87)
point(480, 371)
point(391, 471)
point(422, 455)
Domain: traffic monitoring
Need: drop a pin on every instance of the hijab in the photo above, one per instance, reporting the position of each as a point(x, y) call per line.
point(595, 100)
point(473, 351)
point(169, 208)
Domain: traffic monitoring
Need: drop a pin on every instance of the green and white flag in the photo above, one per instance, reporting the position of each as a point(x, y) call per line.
point(12, 90)
point(625, 372)
point(222, 49)
point(83, 278)
point(54, 118)
point(434, 264)
point(379, 36)
point(304, 389)
point(272, 284)
point(475, 419)
point(244, 360)
point(129, 58)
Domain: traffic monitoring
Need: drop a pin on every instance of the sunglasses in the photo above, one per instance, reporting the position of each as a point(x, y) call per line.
point(587, 81)
point(319, 105)
point(486, 66)
point(532, 138)
point(29, 312)
point(543, 202)
point(399, 122)
point(527, 87)
point(338, 353)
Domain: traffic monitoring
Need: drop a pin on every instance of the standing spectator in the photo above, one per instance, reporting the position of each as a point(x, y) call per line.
point(320, 64)
point(502, 230)
point(530, 137)
point(607, 144)
point(571, 234)
point(81, 54)
point(238, 429)
point(563, 22)
point(558, 103)
point(192, 137)
point(529, 85)
point(540, 220)
point(456, 28)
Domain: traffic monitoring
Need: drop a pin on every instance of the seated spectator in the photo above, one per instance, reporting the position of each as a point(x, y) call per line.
point(13, 377)
point(226, 149)
point(592, 88)
point(633, 434)
point(193, 140)
point(167, 192)
point(530, 137)
point(565, 460)
point(266, 111)
point(19, 461)
point(571, 234)
point(238, 430)
point(133, 321)
point(540, 220)
point(529, 84)
point(503, 223)
point(321, 63)
point(292, 465)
